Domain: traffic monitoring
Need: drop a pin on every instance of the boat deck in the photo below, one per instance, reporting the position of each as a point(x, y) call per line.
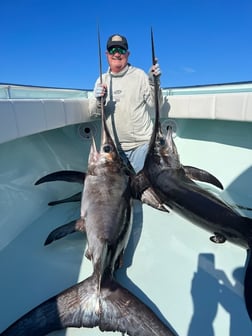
point(195, 285)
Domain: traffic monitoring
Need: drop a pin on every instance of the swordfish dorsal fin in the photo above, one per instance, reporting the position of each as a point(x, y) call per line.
point(63, 175)
point(202, 175)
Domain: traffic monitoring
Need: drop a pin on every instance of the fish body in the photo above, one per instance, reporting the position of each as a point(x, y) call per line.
point(106, 206)
point(172, 184)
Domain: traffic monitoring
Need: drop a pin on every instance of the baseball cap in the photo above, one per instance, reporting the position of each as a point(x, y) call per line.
point(117, 40)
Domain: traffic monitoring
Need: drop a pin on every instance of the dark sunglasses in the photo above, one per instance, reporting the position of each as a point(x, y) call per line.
point(115, 50)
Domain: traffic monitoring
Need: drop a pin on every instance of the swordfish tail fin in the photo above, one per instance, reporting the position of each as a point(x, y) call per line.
point(119, 310)
point(248, 284)
point(123, 311)
point(70, 308)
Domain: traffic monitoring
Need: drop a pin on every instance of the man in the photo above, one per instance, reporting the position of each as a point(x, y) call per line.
point(129, 101)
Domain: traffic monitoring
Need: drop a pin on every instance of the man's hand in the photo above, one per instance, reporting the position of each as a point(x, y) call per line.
point(154, 71)
point(101, 91)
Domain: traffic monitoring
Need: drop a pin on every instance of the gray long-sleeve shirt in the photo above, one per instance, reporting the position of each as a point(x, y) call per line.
point(129, 106)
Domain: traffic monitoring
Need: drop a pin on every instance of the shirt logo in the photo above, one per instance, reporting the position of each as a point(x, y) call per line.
point(117, 92)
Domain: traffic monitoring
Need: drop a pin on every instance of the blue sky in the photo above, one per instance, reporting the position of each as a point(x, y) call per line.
point(54, 42)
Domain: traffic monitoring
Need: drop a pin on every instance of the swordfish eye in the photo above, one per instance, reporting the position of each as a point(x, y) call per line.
point(107, 148)
point(161, 141)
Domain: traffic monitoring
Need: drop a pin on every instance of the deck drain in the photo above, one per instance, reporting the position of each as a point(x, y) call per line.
point(86, 130)
point(169, 122)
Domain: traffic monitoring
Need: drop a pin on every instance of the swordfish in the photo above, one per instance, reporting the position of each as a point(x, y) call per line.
point(174, 188)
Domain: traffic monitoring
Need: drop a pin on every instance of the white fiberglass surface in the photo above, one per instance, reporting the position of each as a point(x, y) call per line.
point(195, 285)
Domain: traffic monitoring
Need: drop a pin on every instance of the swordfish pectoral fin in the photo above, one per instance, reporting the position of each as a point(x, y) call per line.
point(248, 284)
point(66, 229)
point(63, 175)
point(202, 175)
point(150, 198)
point(142, 190)
point(74, 198)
